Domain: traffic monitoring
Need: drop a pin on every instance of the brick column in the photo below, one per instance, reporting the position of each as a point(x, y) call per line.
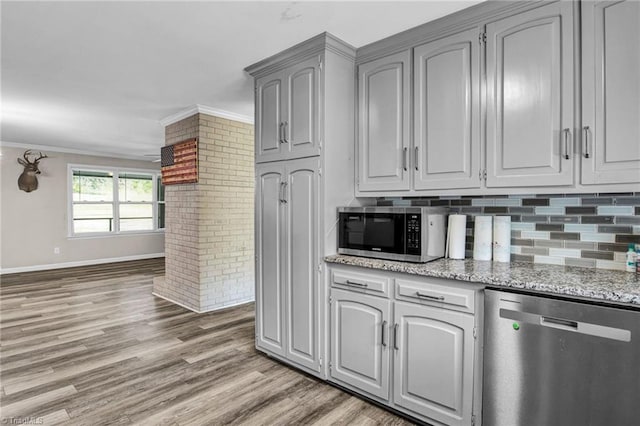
point(209, 224)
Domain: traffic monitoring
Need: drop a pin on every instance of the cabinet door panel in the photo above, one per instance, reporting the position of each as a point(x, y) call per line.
point(302, 109)
point(301, 197)
point(530, 98)
point(611, 92)
point(447, 102)
point(358, 356)
point(269, 289)
point(433, 368)
point(268, 118)
point(383, 139)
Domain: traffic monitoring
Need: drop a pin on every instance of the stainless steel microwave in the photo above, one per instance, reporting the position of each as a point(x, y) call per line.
point(411, 234)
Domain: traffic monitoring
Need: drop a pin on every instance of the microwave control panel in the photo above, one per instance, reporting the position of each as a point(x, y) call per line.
point(413, 233)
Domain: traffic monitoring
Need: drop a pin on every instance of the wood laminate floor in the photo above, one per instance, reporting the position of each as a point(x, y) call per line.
point(92, 346)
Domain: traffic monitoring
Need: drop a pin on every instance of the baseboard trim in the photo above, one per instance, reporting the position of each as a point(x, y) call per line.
point(217, 308)
point(90, 262)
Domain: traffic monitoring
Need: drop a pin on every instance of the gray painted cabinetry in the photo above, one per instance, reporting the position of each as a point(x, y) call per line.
point(610, 92)
point(446, 75)
point(530, 98)
point(287, 112)
point(286, 319)
point(360, 341)
point(496, 102)
point(417, 352)
point(383, 137)
point(304, 116)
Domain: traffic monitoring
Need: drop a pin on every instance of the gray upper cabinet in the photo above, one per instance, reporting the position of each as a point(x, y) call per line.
point(269, 120)
point(287, 112)
point(446, 74)
point(529, 62)
point(360, 342)
point(434, 363)
point(383, 131)
point(610, 92)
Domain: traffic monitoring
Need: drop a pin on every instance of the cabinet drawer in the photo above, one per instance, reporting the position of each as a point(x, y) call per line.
point(435, 294)
point(366, 283)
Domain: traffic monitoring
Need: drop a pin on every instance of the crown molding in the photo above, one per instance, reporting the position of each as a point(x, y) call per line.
point(313, 46)
point(462, 20)
point(64, 150)
point(204, 109)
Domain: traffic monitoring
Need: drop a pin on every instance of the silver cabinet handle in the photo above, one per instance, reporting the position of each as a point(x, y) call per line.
point(416, 157)
point(284, 133)
point(382, 337)
point(280, 196)
point(280, 132)
point(567, 134)
point(395, 336)
point(404, 158)
point(284, 192)
point(428, 296)
point(357, 284)
point(586, 141)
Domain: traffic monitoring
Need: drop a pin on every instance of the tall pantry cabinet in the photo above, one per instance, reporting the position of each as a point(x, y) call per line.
point(304, 115)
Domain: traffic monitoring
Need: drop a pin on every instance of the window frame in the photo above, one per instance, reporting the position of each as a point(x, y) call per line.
point(115, 203)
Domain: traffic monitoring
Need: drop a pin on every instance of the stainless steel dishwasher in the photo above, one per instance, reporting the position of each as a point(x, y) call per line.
point(553, 362)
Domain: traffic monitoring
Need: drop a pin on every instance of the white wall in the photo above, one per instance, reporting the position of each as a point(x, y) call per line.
point(32, 224)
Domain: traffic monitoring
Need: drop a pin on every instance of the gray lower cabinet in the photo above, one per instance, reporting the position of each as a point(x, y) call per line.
point(529, 62)
point(287, 291)
point(610, 92)
point(433, 362)
point(417, 353)
point(359, 342)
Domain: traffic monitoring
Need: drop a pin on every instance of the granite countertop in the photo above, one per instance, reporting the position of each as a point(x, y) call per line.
point(589, 283)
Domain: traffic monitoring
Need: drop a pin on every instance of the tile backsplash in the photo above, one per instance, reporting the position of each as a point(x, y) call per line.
point(591, 230)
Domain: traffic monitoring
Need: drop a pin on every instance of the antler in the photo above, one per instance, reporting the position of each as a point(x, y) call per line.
point(40, 158)
point(28, 152)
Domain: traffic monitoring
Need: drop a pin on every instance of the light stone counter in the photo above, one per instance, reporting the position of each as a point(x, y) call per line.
point(583, 283)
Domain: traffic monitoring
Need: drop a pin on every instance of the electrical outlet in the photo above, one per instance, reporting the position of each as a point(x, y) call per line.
point(56, 250)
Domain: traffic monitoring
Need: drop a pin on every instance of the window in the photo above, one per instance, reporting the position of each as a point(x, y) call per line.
point(160, 196)
point(115, 201)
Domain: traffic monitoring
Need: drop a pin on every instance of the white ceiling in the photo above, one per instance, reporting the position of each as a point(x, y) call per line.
point(99, 76)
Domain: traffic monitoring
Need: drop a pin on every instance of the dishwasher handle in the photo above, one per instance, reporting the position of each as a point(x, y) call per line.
point(559, 323)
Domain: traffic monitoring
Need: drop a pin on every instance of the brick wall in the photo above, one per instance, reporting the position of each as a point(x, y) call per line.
point(591, 230)
point(226, 182)
point(209, 224)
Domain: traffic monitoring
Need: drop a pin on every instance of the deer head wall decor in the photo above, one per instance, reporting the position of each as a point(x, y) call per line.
point(28, 181)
